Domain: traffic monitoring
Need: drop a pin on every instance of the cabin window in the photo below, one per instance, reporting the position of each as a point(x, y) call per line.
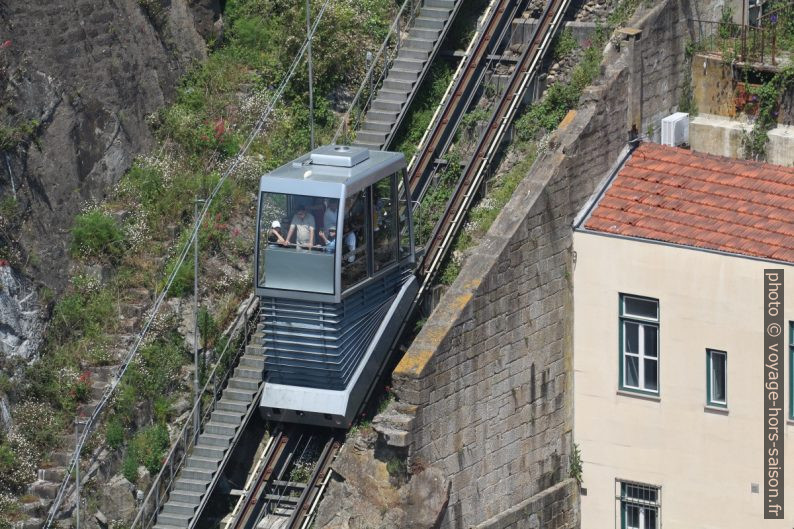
point(296, 248)
point(384, 223)
point(355, 239)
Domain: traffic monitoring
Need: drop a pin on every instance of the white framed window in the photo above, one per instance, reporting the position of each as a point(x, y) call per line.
point(639, 505)
point(716, 378)
point(639, 344)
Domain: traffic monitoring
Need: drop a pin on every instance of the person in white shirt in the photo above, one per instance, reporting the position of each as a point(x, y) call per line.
point(302, 226)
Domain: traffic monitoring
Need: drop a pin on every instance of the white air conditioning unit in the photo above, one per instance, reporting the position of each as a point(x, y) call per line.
point(675, 129)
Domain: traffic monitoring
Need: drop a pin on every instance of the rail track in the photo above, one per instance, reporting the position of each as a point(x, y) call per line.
point(286, 483)
point(505, 110)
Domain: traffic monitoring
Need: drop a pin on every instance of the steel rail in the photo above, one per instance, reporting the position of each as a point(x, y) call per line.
point(443, 130)
point(471, 178)
point(260, 481)
point(307, 501)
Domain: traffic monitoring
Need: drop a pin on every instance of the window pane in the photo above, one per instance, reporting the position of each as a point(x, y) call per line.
point(718, 392)
point(651, 374)
point(650, 518)
point(384, 224)
point(643, 308)
point(292, 255)
point(354, 229)
point(631, 370)
point(632, 517)
point(631, 337)
point(650, 340)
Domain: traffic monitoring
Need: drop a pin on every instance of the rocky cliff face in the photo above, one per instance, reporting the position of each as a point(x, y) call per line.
point(78, 79)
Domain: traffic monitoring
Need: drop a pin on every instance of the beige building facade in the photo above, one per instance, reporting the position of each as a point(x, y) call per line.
point(672, 436)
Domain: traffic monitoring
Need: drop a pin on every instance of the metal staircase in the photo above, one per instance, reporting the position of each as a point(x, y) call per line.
point(406, 73)
point(209, 454)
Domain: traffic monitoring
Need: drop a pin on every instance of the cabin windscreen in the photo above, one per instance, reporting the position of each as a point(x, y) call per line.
point(297, 242)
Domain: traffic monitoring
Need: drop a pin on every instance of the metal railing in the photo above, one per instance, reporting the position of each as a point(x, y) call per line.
point(161, 485)
point(376, 72)
point(761, 42)
point(110, 390)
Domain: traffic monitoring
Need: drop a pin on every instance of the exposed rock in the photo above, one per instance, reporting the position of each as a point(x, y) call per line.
point(85, 74)
point(21, 326)
point(144, 478)
point(6, 422)
point(363, 494)
point(117, 498)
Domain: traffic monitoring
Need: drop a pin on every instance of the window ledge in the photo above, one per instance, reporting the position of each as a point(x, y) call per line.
point(720, 410)
point(790, 421)
point(638, 395)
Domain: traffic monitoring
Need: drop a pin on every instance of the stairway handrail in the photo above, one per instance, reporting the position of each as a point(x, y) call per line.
point(414, 5)
point(250, 312)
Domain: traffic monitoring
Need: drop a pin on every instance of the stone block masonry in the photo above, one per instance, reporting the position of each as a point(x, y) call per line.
point(485, 389)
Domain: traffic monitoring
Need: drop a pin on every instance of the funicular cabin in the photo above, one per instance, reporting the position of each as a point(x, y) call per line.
point(334, 266)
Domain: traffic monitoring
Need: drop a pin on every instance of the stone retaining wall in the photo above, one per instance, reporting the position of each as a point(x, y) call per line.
point(484, 392)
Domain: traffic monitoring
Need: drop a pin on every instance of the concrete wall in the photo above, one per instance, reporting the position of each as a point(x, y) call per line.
point(485, 390)
point(704, 459)
point(713, 87)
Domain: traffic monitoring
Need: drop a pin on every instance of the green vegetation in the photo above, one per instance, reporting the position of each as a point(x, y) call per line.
point(96, 234)
point(575, 470)
point(147, 448)
point(12, 136)
point(768, 97)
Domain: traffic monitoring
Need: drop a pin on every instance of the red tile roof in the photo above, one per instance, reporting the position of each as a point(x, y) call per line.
point(694, 199)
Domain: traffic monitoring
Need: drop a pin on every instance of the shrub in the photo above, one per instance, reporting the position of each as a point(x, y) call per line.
point(129, 468)
point(148, 448)
point(208, 328)
point(37, 424)
point(96, 234)
point(114, 433)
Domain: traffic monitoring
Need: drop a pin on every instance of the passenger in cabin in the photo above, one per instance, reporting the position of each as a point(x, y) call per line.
point(330, 240)
point(317, 210)
point(274, 235)
point(302, 226)
point(331, 215)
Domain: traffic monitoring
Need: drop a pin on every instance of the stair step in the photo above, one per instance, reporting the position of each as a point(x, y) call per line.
point(209, 452)
point(179, 508)
point(165, 526)
point(447, 4)
point(198, 474)
point(430, 11)
point(210, 439)
point(239, 395)
point(248, 372)
point(232, 406)
point(409, 64)
point(427, 34)
point(185, 496)
point(220, 428)
point(244, 383)
point(417, 43)
point(379, 126)
point(429, 22)
point(407, 75)
point(371, 138)
point(254, 360)
point(226, 417)
point(173, 520)
point(193, 485)
point(413, 53)
point(382, 105)
point(395, 91)
point(384, 116)
point(201, 463)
